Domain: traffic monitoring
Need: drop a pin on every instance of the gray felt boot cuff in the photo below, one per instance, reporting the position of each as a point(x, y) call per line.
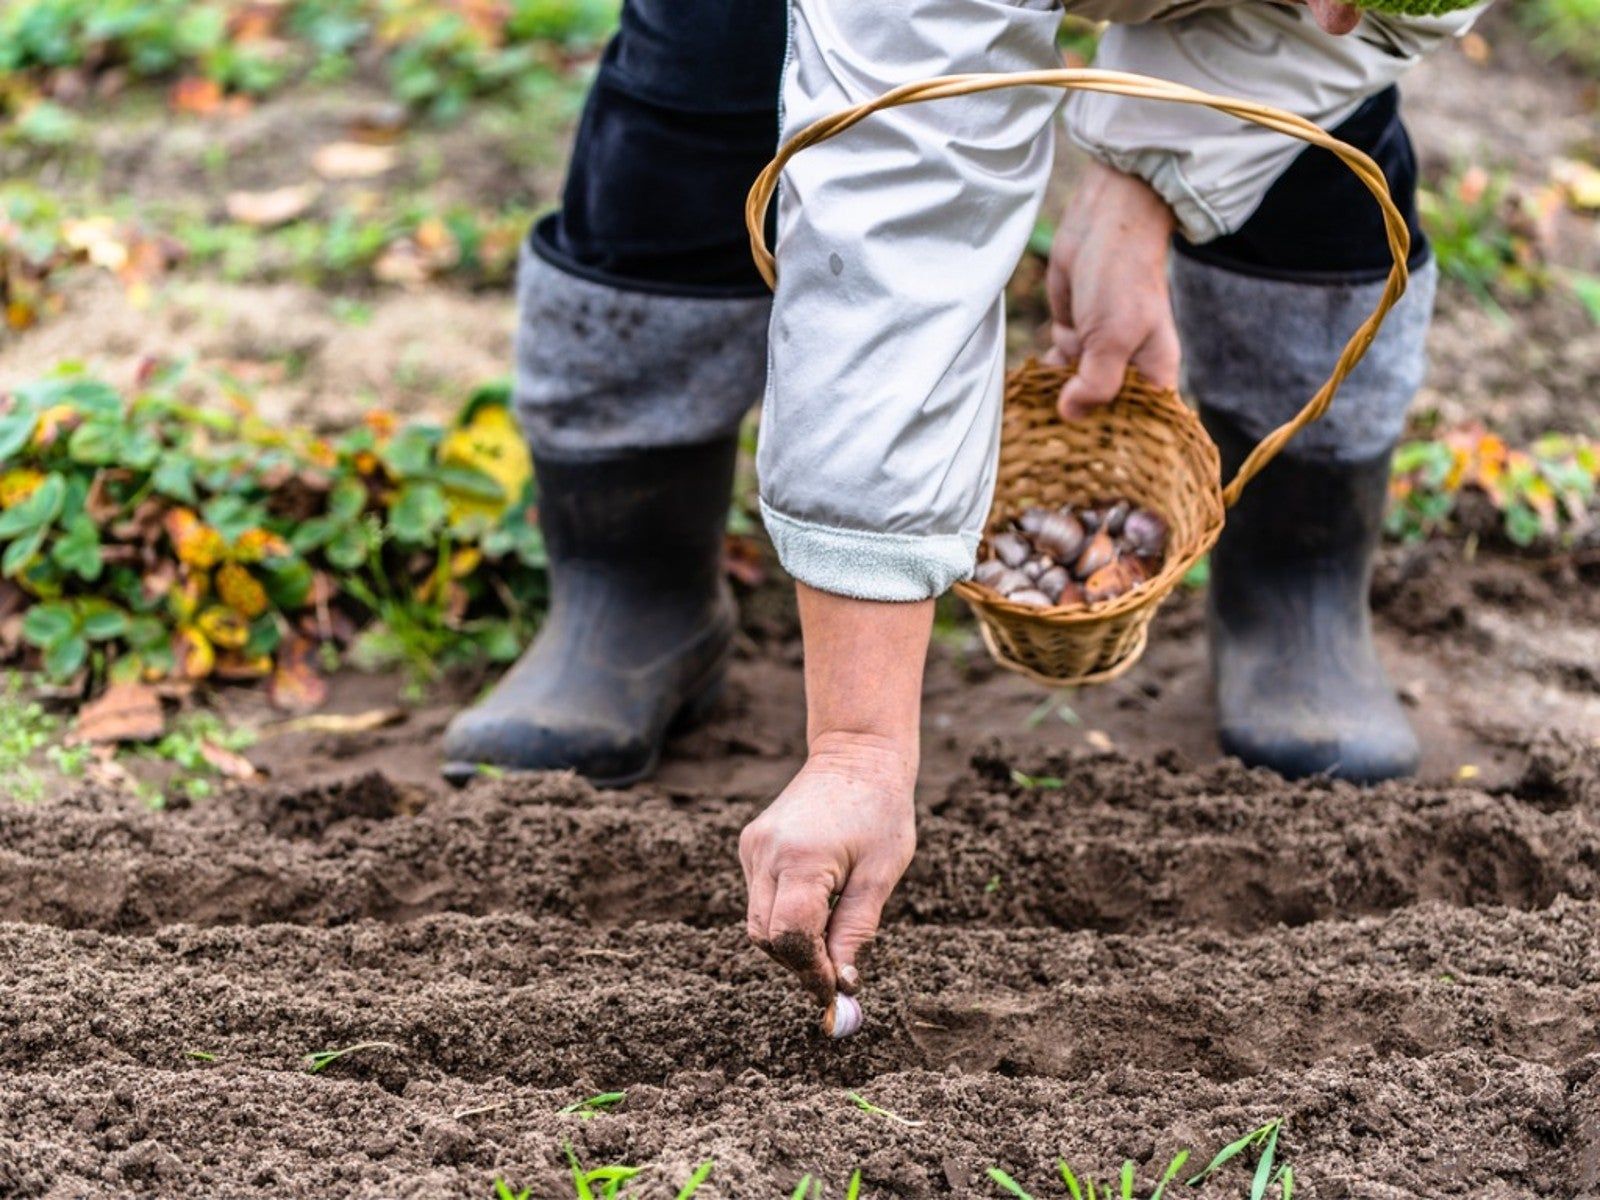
point(1257, 349)
point(601, 370)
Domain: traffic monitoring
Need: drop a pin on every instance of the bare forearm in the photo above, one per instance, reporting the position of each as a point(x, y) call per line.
point(864, 663)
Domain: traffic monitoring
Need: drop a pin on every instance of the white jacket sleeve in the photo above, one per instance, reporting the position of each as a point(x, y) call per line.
point(1211, 168)
point(880, 425)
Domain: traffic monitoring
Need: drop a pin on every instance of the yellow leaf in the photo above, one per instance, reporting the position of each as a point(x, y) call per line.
point(195, 657)
point(491, 443)
point(240, 590)
point(18, 484)
point(223, 627)
point(53, 422)
point(254, 545)
point(1580, 181)
point(195, 542)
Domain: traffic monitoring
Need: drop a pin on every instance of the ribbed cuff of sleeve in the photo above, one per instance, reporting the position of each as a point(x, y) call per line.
point(864, 565)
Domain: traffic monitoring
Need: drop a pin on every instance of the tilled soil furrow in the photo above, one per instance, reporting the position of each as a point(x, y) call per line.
point(1121, 847)
point(554, 1003)
point(1476, 1124)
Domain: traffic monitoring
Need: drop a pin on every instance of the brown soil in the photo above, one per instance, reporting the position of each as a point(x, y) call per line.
point(1164, 952)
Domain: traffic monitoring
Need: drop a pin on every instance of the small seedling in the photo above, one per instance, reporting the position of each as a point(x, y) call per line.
point(324, 1059)
point(692, 1185)
point(1052, 706)
point(593, 1106)
point(502, 1191)
point(201, 1055)
point(867, 1106)
point(608, 1180)
point(1035, 783)
point(1266, 1177)
point(1268, 1174)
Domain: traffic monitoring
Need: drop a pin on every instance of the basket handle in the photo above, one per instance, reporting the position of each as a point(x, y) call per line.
point(1120, 83)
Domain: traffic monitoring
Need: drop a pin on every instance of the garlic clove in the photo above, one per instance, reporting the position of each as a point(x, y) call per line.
point(1060, 536)
point(1032, 597)
point(1116, 515)
point(1100, 552)
point(1010, 548)
point(1113, 580)
point(1145, 533)
point(1053, 582)
point(1012, 581)
point(1031, 519)
point(989, 571)
point(843, 1017)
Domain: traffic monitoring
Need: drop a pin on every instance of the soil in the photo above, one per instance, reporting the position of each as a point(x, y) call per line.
point(1162, 952)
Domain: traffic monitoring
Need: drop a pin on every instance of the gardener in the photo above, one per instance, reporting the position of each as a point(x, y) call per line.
point(643, 339)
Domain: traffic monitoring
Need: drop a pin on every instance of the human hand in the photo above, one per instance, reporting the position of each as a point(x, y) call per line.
point(1107, 283)
point(844, 827)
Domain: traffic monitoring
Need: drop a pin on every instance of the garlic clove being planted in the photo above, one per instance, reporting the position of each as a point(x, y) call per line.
point(843, 1017)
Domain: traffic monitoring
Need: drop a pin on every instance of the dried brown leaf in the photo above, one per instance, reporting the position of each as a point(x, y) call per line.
point(125, 712)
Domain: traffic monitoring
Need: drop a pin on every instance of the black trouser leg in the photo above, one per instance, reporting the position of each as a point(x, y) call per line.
point(641, 342)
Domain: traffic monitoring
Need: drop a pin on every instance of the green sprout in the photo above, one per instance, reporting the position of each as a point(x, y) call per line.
point(592, 1106)
point(867, 1106)
point(324, 1059)
point(1035, 783)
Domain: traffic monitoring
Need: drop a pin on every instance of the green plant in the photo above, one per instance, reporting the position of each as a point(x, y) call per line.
point(1034, 783)
point(25, 729)
point(867, 1106)
point(1269, 1172)
point(592, 1106)
point(1484, 235)
point(1565, 27)
point(323, 1059)
point(1543, 492)
point(151, 537)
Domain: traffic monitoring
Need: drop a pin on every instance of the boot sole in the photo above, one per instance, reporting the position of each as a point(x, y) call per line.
point(690, 714)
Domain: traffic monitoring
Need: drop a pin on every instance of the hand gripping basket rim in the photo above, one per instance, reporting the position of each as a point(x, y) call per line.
point(1091, 644)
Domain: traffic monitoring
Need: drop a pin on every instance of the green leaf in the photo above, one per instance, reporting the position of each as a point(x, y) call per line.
point(1068, 1178)
point(20, 553)
point(312, 533)
point(418, 512)
point(1173, 1168)
point(44, 625)
point(95, 443)
point(287, 582)
point(174, 477)
point(853, 1191)
point(692, 1185)
point(349, 549)
point(78, 549)
point(146, 633)
point(801, 1189)
point(66, 658)
point(1008, 1184)
point(104, 624)
point(346, 500)
point(470, 481)
point(410, 453)
point(1127, 1180)
point(15, 432)
point(1263, 1176)
point(1230, 1152)
point(37, 511)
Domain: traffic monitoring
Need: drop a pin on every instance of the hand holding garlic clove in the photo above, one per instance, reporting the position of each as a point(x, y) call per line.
point(1063, 557)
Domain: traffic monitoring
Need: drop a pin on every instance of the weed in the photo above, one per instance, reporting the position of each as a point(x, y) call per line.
point(324, 1059)
point(1485, 236)
point(867, 1106)
point(1268, 1174)
point(25, 729)
point(201, 1056)
point(1037, 783)
point(593, 1106)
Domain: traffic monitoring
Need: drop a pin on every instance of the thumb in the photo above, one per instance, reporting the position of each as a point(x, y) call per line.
point(853, 924)
point(1099, 379)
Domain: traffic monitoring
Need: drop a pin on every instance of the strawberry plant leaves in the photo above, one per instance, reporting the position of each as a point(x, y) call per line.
point(78, 549)
point(44, 625)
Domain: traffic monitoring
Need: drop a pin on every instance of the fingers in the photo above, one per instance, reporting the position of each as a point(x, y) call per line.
point(1101, 370)
point(794, 930)
point(854, 924)
point(1160, 358)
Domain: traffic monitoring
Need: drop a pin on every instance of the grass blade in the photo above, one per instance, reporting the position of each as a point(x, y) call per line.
point(1258, 1186)
point(1068, 1178)
point(1230, 1152)
point(695, 1180)
point(802, 1189)
point(1173, 1168)
point(1286, 1177)
point(1127, 1179)
point(1008, 1183)
point(853, 1192)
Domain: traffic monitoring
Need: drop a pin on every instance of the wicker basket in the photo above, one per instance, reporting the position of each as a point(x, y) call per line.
point(1146, 445)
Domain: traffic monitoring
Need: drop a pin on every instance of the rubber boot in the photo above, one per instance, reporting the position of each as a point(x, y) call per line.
point(640, 625)
point(1299, 687)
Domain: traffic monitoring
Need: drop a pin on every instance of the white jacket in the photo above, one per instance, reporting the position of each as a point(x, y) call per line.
point(895, 240)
